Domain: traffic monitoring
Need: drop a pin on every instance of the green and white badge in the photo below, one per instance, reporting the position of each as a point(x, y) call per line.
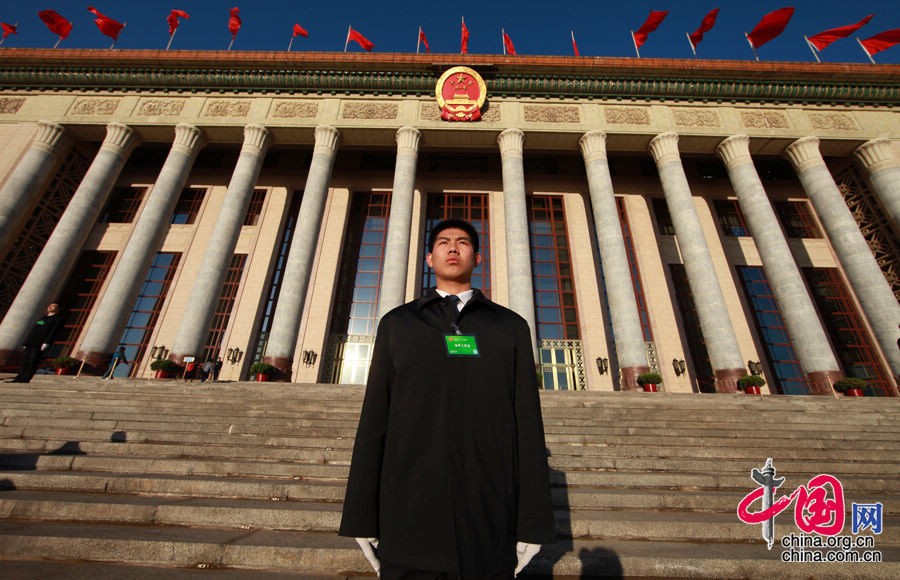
point(461, 345)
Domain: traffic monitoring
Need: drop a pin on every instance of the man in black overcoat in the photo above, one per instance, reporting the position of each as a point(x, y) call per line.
point(39, 339)
point(449, 473)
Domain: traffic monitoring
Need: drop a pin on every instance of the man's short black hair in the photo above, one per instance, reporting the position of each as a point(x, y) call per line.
point(453, 223)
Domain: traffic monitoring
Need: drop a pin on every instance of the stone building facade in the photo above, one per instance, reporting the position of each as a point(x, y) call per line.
point(702, 219)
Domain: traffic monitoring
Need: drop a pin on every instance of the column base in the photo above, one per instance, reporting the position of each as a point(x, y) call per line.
point(726, 379)
point(94, 362)
point(820, 382)
point(630, 375)
point(283, 366)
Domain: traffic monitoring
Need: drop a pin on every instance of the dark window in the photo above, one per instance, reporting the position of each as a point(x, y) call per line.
point(222, 314)
point(797, 219)
point(789, 378)
point(551, 264)
point(123, 205)
point(663, 217)
point(377, 162)
point(188, 206)
point(254, 210)
point(731, 220)
point(472, 207)
point(711, 170)
point(635, 273)
point(79, 296)
point(772, 170)
point(693, 332)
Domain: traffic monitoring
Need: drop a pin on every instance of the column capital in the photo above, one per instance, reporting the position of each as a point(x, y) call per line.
point(188, 139)
point(257, 137)
point(50, 137)
point(120, 139)
point(876, 154)
point(511, 142)
point(327, 140)
point(735, 151)
point(593, 146)
point(804, 153)
point(664, 148)
point(408, 140)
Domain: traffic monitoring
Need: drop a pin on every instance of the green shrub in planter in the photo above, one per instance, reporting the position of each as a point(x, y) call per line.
point(165, 365)
point(649, 379)
point(65, 362)
point(750, 381)
point(261, 368)
point(848, 383)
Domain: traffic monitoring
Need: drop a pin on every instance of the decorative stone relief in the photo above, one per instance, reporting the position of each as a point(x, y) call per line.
point(696, 118)
point(11, 106)
point(370, 111)
point(227, 109)
point(764, 120)
point(94, 107)
point(551, 114)
point(491, 115)
point(833, 122)
point(161, 107)
point(627, 116)
point(429, 112)
point(295, 109)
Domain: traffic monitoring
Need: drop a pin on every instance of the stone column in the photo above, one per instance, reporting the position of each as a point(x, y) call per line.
point(194, 328)
point(292, 296)
point(866, 278)
point(518, 246)
point(800, 317)
point(877, 157)
point(63, 248)
point(23, 183)
point(396, 249)
point(718, 333)
point(146, 239)
point(625, 319)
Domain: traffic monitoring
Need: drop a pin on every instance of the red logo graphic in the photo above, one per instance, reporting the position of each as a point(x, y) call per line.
point(460, 94)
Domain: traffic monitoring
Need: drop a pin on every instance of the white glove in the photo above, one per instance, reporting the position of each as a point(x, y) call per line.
point(525, 552)
point(45, 346)
point(368, 546)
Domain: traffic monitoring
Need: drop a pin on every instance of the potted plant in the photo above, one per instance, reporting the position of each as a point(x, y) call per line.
point(262, 371)
point(64, 364)
point(850, 386)
point(751, 384)
point(649, 381)
point(164, 368)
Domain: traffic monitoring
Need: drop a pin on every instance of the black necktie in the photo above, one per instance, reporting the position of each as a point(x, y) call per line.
point(451, 312)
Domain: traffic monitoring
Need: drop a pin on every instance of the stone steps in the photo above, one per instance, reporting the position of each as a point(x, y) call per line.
point(158, 476)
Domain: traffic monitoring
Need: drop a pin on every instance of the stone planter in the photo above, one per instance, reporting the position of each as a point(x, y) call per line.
point(853, 393)
point(261, 378)
point(753, 390)
point(650, 388)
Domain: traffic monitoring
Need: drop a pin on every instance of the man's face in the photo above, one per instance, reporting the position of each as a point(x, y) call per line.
point(52, 309)
point(453, 257)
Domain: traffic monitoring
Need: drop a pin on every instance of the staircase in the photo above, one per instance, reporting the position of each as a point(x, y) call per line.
point(149, 479)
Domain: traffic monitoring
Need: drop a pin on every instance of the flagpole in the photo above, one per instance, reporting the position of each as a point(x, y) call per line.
point(755, 54)
point(171, 36)
point(230, 43)
point(503, 40)
point(346, 42)
point(290, 44)
point(872, 60)
point(462, 20)
point(812, 48)
point(58, 40)
point(419, 39)
point(691, 42)
point(638, 52)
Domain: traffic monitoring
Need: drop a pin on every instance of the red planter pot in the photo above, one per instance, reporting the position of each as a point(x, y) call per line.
point(650, 388)
point(261, 378)
point(853, 393)
point(162, 375)
point(753, 390)
point(62, 371)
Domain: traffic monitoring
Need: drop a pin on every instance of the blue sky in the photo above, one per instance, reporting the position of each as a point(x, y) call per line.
point(537, 28)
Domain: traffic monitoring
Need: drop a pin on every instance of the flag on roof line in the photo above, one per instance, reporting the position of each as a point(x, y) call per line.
point(422, 40)
point(881, 41)
point(9, 29)
point(823, 39)
point(358, 38)
point(173, 19)
point(705, 26)
point(508, 47)
point(108, 26)
point(57, 24)
point(652, 23)
point(300, 31)
point(574, 45)
point(771, 25)
point(234, 24)
point(464, 42)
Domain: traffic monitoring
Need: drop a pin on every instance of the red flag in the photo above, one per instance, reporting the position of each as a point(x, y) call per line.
point(300, 31)
point(705, 26)
point(173, 21)
point(56, 23)
point(771, 25)
point(234, 22)
point(108, 26)
point(574, 46)
point(464, 43)
point(360, 39)
point(823, 39)
point(881, 41)
point(652, 23)
point(424, 40)
point(508, 45)
point(8, 29)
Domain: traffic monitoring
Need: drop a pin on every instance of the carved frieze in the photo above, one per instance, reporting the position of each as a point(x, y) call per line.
point(370, 111)
point(295, 109)
point(491, 114)
point(429, 112)
point(90, 106)
point(764, 120)
point(696, 118)
point(551, 114)
point(227, 108)
point(11, 106)
point(627, 116)
point(160, 107)
point(833, 122)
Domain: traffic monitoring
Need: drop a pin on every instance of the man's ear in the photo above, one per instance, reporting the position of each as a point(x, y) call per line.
point(428, 260)
point(477, 259)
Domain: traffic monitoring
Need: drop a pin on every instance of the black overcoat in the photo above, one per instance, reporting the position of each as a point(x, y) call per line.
point(449, 467)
